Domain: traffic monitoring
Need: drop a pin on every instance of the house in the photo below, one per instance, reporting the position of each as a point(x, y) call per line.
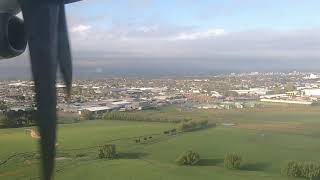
point(132, 106)
point(238, 105)
point(216, 94)
point(144, 105)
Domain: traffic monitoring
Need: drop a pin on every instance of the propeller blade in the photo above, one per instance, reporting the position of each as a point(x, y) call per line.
point(70, 1)
point(64, 52)
point(46, 28)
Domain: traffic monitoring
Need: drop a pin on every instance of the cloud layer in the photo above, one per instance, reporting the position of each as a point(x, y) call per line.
point(166, 41)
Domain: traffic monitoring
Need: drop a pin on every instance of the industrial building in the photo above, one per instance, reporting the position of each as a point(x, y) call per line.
point(311, 92)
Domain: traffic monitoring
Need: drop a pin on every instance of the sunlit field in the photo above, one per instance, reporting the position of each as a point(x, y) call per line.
point(265, 137)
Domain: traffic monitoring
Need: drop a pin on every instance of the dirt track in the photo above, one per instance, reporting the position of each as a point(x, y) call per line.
point(33, 133)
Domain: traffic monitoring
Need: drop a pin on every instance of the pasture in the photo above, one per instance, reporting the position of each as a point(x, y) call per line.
point(266, 138)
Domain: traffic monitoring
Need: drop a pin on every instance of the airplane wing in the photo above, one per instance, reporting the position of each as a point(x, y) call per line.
point(47, 36)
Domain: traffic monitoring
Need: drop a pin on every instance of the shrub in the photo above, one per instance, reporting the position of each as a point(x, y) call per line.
point(203, 123)
point(292, 168)
point(80, 155)
point(309, 170)
point(107, 151)
point(186, 119)
point(173, 130)
point(188, 158)
point(232, 161)
point(8, 123)
point(166, 132)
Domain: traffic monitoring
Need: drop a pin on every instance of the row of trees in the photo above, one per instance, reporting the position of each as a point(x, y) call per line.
point(20, 118)
point(126, 116)
point(137, 116)
point(193, 125)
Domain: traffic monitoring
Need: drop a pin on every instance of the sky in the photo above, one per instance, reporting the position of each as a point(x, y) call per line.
point(190, 36)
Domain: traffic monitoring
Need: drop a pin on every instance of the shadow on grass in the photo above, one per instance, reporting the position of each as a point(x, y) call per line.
point(200, 129)
point(132, 155)
point(209, 162)
point(259, 166)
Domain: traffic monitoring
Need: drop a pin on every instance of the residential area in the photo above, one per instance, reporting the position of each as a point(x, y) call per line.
point(225, 91)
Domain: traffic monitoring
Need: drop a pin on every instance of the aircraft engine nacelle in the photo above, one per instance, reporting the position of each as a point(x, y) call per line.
point(13, 40)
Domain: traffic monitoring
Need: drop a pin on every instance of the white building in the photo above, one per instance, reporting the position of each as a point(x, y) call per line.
point(287, 101)
point(99, 109)
point(252, 91)
point(311, 92)
point(215, 94)
point(312, 76)
point(195, 91)
point(274, 96)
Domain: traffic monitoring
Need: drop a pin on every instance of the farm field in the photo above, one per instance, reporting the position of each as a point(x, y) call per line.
point(266, 138)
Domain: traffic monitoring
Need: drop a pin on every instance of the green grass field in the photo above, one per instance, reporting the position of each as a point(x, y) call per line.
point(266, 138)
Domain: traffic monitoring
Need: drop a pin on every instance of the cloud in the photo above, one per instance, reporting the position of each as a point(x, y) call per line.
point(80, 28)
point(158, 46)
point(210, 33)
point(111, 32)
point(169, 41)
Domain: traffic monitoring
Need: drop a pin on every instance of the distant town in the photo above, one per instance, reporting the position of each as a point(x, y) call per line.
point(229, 91)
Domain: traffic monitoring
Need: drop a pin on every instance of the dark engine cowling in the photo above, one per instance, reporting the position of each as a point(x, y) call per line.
point(13, 40)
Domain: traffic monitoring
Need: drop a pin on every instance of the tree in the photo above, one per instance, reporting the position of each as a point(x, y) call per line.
point(30, 116)
point(8, 122)
point(232, 161)
point(3, 106)
point(292, 168)
point(277, 89)
point(18, 118)
point(289, 87)
point(10, 119)
point(87, 115)
point(188, 158)
point(107, 151)
point(20, 98)
point(309, 170)
point(230, 93)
